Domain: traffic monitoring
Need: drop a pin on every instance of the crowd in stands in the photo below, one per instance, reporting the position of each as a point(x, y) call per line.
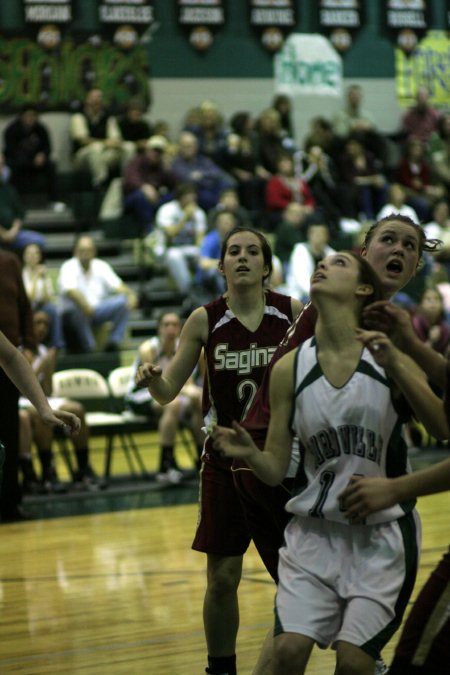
point(343, 175)
point(187, 192)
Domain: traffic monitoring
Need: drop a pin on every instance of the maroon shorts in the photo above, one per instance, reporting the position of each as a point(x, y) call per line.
point(222, 527)
point(265, 514)
point(424, 645)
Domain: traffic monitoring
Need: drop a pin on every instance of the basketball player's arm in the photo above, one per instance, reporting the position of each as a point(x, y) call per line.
point(396, 322)
point(410, 380)
point(165, 386)
point(21, 374)
point(366, 495)
point(272, 463)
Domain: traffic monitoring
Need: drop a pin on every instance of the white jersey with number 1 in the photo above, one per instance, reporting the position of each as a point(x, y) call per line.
point(354, 429)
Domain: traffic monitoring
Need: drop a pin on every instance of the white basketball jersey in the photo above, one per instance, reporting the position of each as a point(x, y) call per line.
point(353, 429)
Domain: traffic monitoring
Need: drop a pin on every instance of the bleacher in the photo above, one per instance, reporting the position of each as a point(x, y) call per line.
point(119, 244)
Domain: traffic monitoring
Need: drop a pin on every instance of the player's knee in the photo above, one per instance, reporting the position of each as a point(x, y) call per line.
point(354, 664)
point(224, 579)
point(289, 656)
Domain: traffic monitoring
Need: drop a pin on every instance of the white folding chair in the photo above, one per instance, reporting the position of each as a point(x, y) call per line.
point(91, 389)
point(119, 380)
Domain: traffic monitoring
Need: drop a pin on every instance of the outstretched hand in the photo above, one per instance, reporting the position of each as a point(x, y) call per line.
point(69, 423)
point(146, 373)
point(234, 442)
point(363, 496)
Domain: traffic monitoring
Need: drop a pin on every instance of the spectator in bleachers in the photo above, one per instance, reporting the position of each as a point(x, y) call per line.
point(147, 183)
point(32, 428)
point(354, 120)
point(439, 137)
point(97, 143)
point(41, 294)
point(397, 204)
point(229, 201)
point(439, 228)
point(282, 103)
point(134, 128)
point(209, 130)
point(269, 141)
point(284, 187)
point(91, 294)
point(440, 165)
point(239, 160)
point(191, 166)
point(429, 321)
point(184, 225)
point(305, 257)
point(290, 231)
point(439, 225)
point(12, 213)
point(319, 171)
point(414, 173)
point(362, 181)
point(208, 276)
point(420, 119)
point(27, 151)
point(185, 409)
point(321, 134)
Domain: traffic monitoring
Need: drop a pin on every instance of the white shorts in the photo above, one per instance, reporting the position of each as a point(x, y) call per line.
point(55, 402)
point(346, 582)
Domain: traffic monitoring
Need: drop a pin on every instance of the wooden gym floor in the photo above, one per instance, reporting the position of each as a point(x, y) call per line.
point(108, 583)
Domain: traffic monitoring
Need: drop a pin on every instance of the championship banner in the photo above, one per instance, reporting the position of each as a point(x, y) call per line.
point(308, 64)
point(408, 21)
point(427, 66)
point(125, 21)
point(200, 19)
point(47, 21)
point(58, 78)
point(273, 20)
point(340, 20)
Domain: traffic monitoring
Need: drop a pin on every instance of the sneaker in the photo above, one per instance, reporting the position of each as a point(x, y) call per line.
point(86, 480)
point(170, 477)
point(380, 667)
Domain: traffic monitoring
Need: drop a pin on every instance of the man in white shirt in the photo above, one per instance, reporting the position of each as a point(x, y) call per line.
point(184, 225)
point(92, 294)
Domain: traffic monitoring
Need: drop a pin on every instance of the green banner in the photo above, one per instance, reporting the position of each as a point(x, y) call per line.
point(58, 78)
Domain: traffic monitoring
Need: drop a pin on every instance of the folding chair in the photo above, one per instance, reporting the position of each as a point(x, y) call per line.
point(90, 388)
point(119, 380)
point(118, 383)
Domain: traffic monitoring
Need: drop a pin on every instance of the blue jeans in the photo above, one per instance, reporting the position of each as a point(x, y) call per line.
point(78, 326)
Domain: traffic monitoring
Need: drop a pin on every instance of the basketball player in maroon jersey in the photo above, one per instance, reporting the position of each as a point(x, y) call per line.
point(238, 334)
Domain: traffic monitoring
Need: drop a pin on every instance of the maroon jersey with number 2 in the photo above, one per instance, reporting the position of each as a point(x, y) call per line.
point(236, 359)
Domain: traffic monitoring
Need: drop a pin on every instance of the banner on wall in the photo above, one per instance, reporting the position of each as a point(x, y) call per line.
point(58, 78)
point(273, 20)
point(340, 20)
point(408, 21)
point(125, 21)
point(428, 66)
point(308, 64)
point(47, 21)
point(200, 19)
